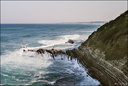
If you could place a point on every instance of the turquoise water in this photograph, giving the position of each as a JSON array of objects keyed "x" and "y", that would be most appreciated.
[{"x": 29, "y": 68}]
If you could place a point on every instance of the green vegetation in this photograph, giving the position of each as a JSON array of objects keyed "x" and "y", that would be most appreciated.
[{"x": 111, "y": 38}]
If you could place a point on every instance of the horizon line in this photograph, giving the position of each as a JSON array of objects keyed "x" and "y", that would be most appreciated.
[{"x": 60, "y": 22}]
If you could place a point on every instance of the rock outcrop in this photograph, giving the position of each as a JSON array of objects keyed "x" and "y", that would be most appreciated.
[
  {"x": 70, "y": 41},
  {"x": 110, "y": 42},
  {"x": 104, "y": 53}
]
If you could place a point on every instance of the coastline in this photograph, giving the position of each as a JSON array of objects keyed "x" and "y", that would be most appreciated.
[
  {"x": 99, "y": 68},
  {"x": 92, "y": 53},
  {"x": 104, "y": 53}
]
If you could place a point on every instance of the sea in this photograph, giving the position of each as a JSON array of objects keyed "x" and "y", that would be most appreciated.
[{"x": 30, "y": 68}]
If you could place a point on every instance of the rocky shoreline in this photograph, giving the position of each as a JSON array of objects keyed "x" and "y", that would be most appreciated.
[{"x": 98, "y": 68}]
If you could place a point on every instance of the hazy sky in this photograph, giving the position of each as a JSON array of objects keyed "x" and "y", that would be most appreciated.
[{"x": 60, "y": 11}]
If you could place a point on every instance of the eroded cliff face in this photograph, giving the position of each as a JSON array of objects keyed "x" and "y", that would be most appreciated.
[
  {"x": 98, "y": 68},
  {"x": 121, "y": 64},
  {"x": 109, "y": 43}
]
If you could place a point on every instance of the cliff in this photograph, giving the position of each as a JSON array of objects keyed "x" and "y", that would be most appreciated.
[
  {"x": 110, "y": 41},
  {"x": 104, "y": 53}
]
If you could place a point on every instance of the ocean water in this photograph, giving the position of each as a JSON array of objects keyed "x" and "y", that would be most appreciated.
[{"x": 30, "y": 68}]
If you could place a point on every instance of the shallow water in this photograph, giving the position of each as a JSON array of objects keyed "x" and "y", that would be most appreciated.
[{"x": 30, "y": 68}]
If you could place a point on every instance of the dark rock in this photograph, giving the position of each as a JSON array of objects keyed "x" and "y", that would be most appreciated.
[
  {"x": 40, "y": 51},
  {"x": 70, "y": 41}
]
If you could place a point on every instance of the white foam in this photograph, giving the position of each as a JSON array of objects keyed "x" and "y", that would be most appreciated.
[
  {"x": 23, "y": 64},
  {"x": 83, "y": 38},
  {"x": 25, "y": 60},
  {"x": 88, "y": 80},
  {"x": 62, "y": 39},
  {"x": 75, "y": 36}
]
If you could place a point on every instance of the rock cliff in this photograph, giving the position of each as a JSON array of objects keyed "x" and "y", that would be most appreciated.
[
  {"x": 109, "y": 42},
  {"x": 104, "y": 53}
]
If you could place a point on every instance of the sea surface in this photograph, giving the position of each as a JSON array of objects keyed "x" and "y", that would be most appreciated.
[{"x": 30, "y": 68}]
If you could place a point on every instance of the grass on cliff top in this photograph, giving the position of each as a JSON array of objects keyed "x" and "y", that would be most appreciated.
[{"x": 112, "y": 38}]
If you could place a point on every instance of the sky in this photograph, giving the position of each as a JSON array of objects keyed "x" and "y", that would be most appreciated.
[{"x": 60, "y": 11}]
